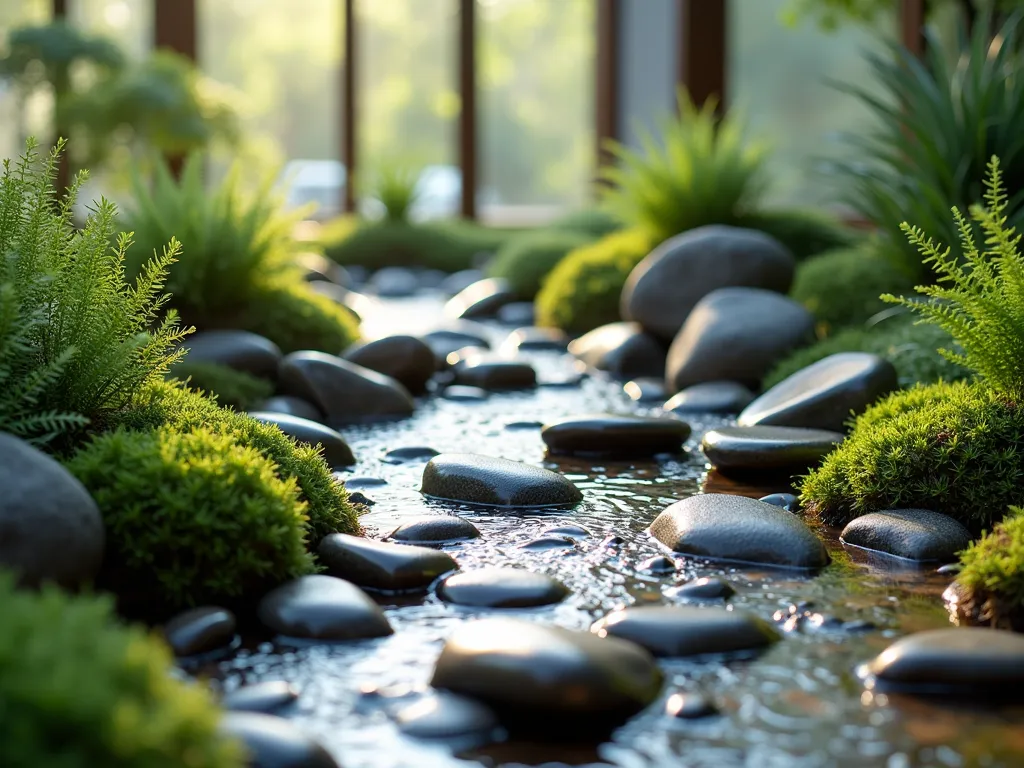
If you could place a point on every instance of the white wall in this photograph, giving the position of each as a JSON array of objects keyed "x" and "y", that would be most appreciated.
[{"x": 647, "y": 63}]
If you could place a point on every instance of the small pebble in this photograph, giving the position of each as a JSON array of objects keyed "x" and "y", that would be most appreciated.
[
  {"x": 787, "y": 501},
  {"x": 516, "y": 425},
  {"x": 409, "y": 454},
  {"x": 613, "y": 541},
  {"x": 364, "y": 482},
  {"x": 266, "y": 697},
  {"x": 951, "y": 569},
  {"x": 570, "y": 531},
  {"x": 689, "y": 706},
  {"x": 711, "y": 588},
  {"x": 547, "y": 543},
  {"x": 859, "y": 625},
  {"x": 462, "y": 393},
  {"x": 361, "y": 498},
  {"x": 658, "y": 565}
]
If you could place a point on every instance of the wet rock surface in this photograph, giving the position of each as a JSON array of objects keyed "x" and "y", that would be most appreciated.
[
  {"x": 711, "y": 397},
  {"x": 498, "y": 482},
  {"x": 406, "y": 359},
  {"x": 241, "y": 350},
  {"x": 322, "y": 608},
  {"x": 481, "y": 299},
  {"x": 495, "y": 375},
  {"x": 443, "y": 715},
  {"x": 379, "y": 565},
  {"x": 409, "y": 454},
  {"x": 200, "y": 630},
  {"x": 464, "y": 393},
  {"x": 624, "y": 350},
  {"x": 702, "y": 590},
  {"x": 435, "y": 530},
  {"x": 501, "y": 588},
  {"x": 267, "y": 697},
  {"x": 768, "y": 449},
  {"x": 912, "y": 534},
  {"x": 533, "y": 339},
  {"x": 273, "y": 742},
  {"x": 645, "y": 390},
  {"x": 614, "y": 436},
  {"x": 290, "y": 406},
  {"x": 333, "y": 446}
]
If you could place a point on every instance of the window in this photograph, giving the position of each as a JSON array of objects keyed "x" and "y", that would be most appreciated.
[{"x": 21, "y": 117}]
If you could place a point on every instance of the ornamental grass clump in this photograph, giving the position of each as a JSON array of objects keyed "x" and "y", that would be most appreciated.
[{"x": 990, "y": 585}]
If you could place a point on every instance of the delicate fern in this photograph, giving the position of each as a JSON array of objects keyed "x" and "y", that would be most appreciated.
[{"x": 979, "y": 298}]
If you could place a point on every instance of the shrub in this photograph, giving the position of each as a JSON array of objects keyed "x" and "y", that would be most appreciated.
[
  {"x": 396, "y": 189},
  {"x": 79, "y": 690},
  {"x": 594, "y": 222},
  {"x": 525, "y": 261},
  {"x": 76, "y": 340},
  {"x": 582, "y": 291},
  {"x": 297, "y": 318},
  {"x": 805, "y": 233},
  {"x": 192, "y": 517},
  {"x": 236, "y": 389},
  {"x": 991, "y": 583},
  {"x": 329, "y": 510}
]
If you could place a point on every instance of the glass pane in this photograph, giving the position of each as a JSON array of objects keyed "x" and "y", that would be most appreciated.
[
  {"x": 536, "y": 83},
  {"x": 284, "y": 60},
  {"x": 778, "y": 78},
  {"x": 129, "y": 22},
  {"x": 21, "y": 114},
  {"x": 408, "y": 101}
]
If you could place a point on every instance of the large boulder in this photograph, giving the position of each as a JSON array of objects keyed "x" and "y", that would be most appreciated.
[
  {"x": 663, "y": 289},
  {"x": 736, "y": 334}
]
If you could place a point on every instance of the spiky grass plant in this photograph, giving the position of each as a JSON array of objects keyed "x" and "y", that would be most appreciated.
[
  {"x": 396, "y": 188},
  {"x": 77, "y": 341}
]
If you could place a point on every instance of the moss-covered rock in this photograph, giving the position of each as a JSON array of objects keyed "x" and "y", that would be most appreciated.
[
  {"x": 990, "y": 588},
  {"x": 950, "y": 447},
  {"x": 525, "y": 261},
  {"x": 297, "y": 318},
  {"x": 78, "y": 690},
  {"x": 233, "y": 388}
]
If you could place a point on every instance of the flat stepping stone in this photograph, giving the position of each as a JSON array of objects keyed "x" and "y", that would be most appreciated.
[
  {"x": 548, "y": 680},
  {"x": 723, "y": 527},
  {"x": 495, "y": 375},
  {"x": 335, "y": 450},
  {"x": 533, "y": 339},
  {"x": 708, "y": 588},
  {"x": 200, "y": 630},
  {"x": 273, "y": 742},
  {"x": 502, "y": 588},
  {"x": 912, "y": 534},
  {"x": 443, "y": 715},
  {"x": 614, "y": 436},
  {"x": 711, "y": 397},
  {"x": 268, "y": 696},
  {"x": 768, "y": 449},
  {"x": 677, "y": 631},
  {"x": 409, "y": 454},
  {"x": 826, "y": 394},
  {"x": 290, "y": 406},
  {"x": 379, "y": 565},
  {"x": 495, "y": 482},
  {"x": 967, "y": 661},
  {"x": 321, "y": 607},
  {"x": 435, "y": 529}
]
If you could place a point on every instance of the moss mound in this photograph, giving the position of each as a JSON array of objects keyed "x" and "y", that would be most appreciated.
[
  {"x": 297, "y": 318},
  {"x": 526, "y": 260},
  {"x": 991, "y": 584},
  {"x": 582, "y": 292},
  {"x": 949, "y": 447},
  {"x": 78, "y": 690},
  {"x": 236, "y": 389},
  {"x": 192, "y": 517}
]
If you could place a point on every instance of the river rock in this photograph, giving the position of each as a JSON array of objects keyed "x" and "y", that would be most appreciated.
[
  {"x": 406, "y": 359},
  {"x": 409, "y": 454},
  {"x": 499, "y": 482},
  {"x": 464, "y": 394},
  {"x": 664, "y": 287},
  {"x": 241, "y": 350},
  {"x": 534, "y": 339},
  {"x": 379, "y": 565},
  {"x": 624, "y": 350},
  {"x": 711, "y": 397},
  {"x": 614, "y": 436},
  {"x": 443, "y": 715},
  {"x": 689, "y": 706},
  {"x": 502, "y": 588},
  {"x": 273, "y": 742},
  {"x": 517, "y": 313},
  {"x": 50, "y": 528},
  {"x": 786, "y": 501},
  {"x": 549, "y": 544},
  {"x": 333, "y": 446},
  {"x": 970, "y": 660},
  {"x": 722, "y": 527},
  {"x": 268, "y": 696},
  {"x": 443, "y": 341},
  {"x": 659, "y": 565},
  {"x": 547, "y": 680},
  {"x": 459, "y": 281},
  {"x": 200, "y": 630},
  {"x": 481, "y": 299},
  {"x": 346, "y": 393},
  {"x": 768, "y": 449},
  {"x": 495, "y": 375},
  {"x": 700, "y": 590},
  {"x": 736, "y": 334},
  {"x": 393, "y": 282},
  {"x": 676, "y": 631},
  {"x": 321, "y": 607},
  {"x": 645, "y": 390},
  {"x": 435, "y": 529},
  {"x": 826, "y": 394},
  {"x": 290, "y": 406},
  {"x": 913, "y": 534}
]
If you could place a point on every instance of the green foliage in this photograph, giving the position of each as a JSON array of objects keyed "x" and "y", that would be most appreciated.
[
  {"x": 939, "y": 123},
  {"x": 992, "y": 578},
  {"x": 594, "y": 222},
  {"x": 700, "y": 171},
  {"x": 979, "y": 300},
  {"x": 76, "y": 340},
  {"x": 296, "y": 318},
  {"x": 78, "y": 690},
  {"x": 805, "y": 233},
  {"x": 234, "y": 389},
  {"x": 192, "y": 517},
  {"x": 396, "y": 189},
  {"x": 950, "y": 447},
  {"x": 168, "y": 403},
  {"x": 526, "y": 260},
  {"x": 582, "y": 291}
]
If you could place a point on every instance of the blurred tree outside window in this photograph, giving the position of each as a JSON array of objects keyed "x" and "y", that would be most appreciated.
[{"x": 21, "y": 114}]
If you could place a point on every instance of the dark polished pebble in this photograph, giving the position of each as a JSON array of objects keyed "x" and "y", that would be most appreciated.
[
  {"x": 292, "y": 406},
  {"x": 502, "y": 588},
  {"x": 783, "y": 450},
  {"x": 363, "y": 482},
  {"x": 462, "y": 393},
  {"x": 497, "y": 482},
  {"x": 689, "y": 706},
  {"x": 570, "y": 531},
  {"x": 494, "y": 375},
  {"x": 321, "y": 607},
  {"x": 333, "y": 447},
  {"x": 409, "y": 454},
  {"x": 911, "y": 534},
  {"x": 517, "y": 425},
  {"x": 708, "y": 588},
  {"x": 443, "y": 715},
  {"x": 614, "y": 436},
  {"x": 361, "y": 498},
  {"x": 613, "y": 541},
  {"x": 533, "y": 339},
  {"x": 658, "y": 565},
  {"x": 272, "y": 742},
  {"x": 200, "y": 630},
  {"x": 435, "y": 529},
  {"x": 860, "y": 625},
  {"x": 268, "y": 696},
  {"x": 379, "y": 565},
  {"x": 787, "y": 501},
  {"x": 547, "y": 543},
  {"x": 645, "y": 390}
]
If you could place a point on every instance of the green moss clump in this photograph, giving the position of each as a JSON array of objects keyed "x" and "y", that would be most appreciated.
[
  {"x": 192, "y": 517},
  {"x": 949, "y": 447},
  {"x": 582, "y": 292},
  {"x": 78, "y": 690},
  {"x": 236, "y": 389},
  {"x": 526, "y": 261},
  {"x": 804, "y": 232},
  {"x": 991, "y": 583},
  {"x": 329, "y": 510},
  {"x": 297, "y": 318}
]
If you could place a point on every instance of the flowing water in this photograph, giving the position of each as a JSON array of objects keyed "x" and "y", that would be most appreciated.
[{"x": 798, "y": 705}]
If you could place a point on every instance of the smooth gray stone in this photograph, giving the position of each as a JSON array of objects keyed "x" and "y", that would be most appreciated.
[
  {"x": 778, "y": 449},
  {"x": 459, "y": 281},
  {"x": 379, "y": 565},
  {"x": 321, "y": 607},
  {"x": 481, "y": 299},
  {"x": 736, "y": 334},
  {"x": 663, "y": 289},
  {"x": 240, "y": 350},
  {"x": 50, "y": 527},
  {"x": 711, "y": 397},
  {"x": 460, "y": 393},
  {"x": 722, "y": 527},
  {"x": 502, "y": 588},
  {"x": 393, "y": 282},
  {"x": 290, "y": 406},
  {"x": 200, "y": 630},
  {"x": 533, "y": 339},
  {"x": 497, "y": 482},
  {"x": 825, "y": 395},
  {"x": 610, "y": 435},
  {"x": 786, "y": 501},
  {"x": 334, "y": 449},
  {"x": 645, "y": 390},
  {"x": 443, "y": 715},
  {"x": 701, "y": 590},
  {"x": 409, "y": 454},
  {"x": 549, "y": 543},
  {"x": 689, "y": 706},
  {"x": 970, "y": 660},
  {"x": 569, "y": 531},
  {"x": 913, "y": 534},
  {"x": 517, "y": 313},
  {"x": 360, "y": 482},
  {"x": 265, "y": 697},
  {"x": 406, "y": 359},
  {"x": 435, "y": 529},
  {"x": 624, "y": 350},
  {"x": 273, "y": 742},
  {"x": 658, "y": 565},
  {"x": 344, "y": 392},
  {"x": 676, "y": 631},
  {"x": 495, "y": 375}
]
